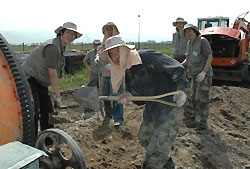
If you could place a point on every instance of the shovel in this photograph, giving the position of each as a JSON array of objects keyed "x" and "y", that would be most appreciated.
[{"x": 88, "y": 98}]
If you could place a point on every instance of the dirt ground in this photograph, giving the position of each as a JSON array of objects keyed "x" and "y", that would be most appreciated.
[{"x": 224, "y": 145}]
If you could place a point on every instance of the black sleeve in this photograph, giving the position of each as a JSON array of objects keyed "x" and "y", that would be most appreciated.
[{"x": 160, "y": 62}]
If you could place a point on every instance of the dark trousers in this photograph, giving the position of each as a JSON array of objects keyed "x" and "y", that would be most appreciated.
[{"x": 43, "y": 105}]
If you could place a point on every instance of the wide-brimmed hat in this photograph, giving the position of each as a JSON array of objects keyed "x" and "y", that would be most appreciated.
[
  {"x": 179, "y": 19},
  {"x": 196, "y": 30},
  {"x": 112, "y": 42},
  {"x": 110, "y": 24},
  {"x": 69, "y": 26}
]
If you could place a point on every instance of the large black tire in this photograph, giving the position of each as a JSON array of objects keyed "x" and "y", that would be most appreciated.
[{"x": 24, "y": 93}]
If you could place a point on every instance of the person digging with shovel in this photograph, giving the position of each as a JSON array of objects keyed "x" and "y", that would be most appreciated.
[{"x": 149, "y": 73}]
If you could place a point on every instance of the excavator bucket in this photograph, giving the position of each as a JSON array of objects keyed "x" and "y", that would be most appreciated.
[{"x": 16, "y": 110}]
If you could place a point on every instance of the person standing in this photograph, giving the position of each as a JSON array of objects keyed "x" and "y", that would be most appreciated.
[
  {"x": 94, "y": 69},
  {"x": 109, "y": 30},
  {"x": 179, "y": 42},
  {"x": 199, "y": 71},
  {"x": 42, "y": 68},
  {"x": 149, "y": 73}
]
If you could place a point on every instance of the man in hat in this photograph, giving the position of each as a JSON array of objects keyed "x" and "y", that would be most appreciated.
[
  {"x": 199, "y": 70},
  {"x": 42, "y": 68},
  {"x": 179, "y": 42},
  {"x": 149, "y": 73},
  {"x": 94, "y": 69}
]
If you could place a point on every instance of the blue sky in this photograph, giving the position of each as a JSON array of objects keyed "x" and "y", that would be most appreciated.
[{"x": 32, "y": 21}]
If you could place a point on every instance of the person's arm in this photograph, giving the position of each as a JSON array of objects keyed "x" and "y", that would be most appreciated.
[
  {"x": 184, "y": 63},
  {"x": 85, "y": 62},
  {"x": 206, "y": 48},
  {"x": 208, "y": 63},
  {"x": 54, "y": 81},
  {"x": 51, "y": 55}
]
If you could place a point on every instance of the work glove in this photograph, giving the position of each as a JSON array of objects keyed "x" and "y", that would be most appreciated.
[
  {"x": 123, "y": 98},
  {"x": 58, "y": 102},
  {"x": 181, "y": 98},
  {"x": 200, "y": 76},
  {"x": 97, "y": 60}
]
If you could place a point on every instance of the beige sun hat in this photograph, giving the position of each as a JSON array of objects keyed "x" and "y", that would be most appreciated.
[
  {"x": 112, "y": 42},
  {"x": 179, "y": 19},
  {"x": 97, "y": 42},
  {"x": 109, "y": 24},
  {"x": 196, "y": 30},
  {"x": 69, "y": 26}
]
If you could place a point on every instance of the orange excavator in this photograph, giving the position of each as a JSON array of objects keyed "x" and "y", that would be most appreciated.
[
  {"x": 230, "y": 46},
  {"x": 17, "y": 130}
]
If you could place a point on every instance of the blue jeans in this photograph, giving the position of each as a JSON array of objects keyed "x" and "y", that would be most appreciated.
[{"x": 116, "y": 109}]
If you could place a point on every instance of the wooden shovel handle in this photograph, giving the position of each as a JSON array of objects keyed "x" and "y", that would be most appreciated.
[{"x": 145, "y": 98}]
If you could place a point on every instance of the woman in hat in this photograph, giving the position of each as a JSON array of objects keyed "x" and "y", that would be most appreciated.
[
  {"x": 179, "y": 42},
  {"x": 149, "y": 73},
  {"x": 199, "y": 71},
  {"x": 42, "y": 68},
  {"x": 109, "y": 30}
]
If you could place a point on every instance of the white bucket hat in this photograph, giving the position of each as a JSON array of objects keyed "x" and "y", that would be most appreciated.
[
  {"x": 196, "y": 30},
  {"x": 112, "y": 42},
  {"x": 179, "y": 20},
  {"x": 69, "y": 26}
]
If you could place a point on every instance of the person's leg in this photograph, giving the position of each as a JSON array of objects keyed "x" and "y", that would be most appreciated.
[
  {"x": 118, "y": 112},
  {"x": 202, "y": 102},
  {"x": 105, "y": 91},
  {"x": 159, "y": 147},
  {"x": 189, "y": 109},
  {"x": 46, "y": 108}
]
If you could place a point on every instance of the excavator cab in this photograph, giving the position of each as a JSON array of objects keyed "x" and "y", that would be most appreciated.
[
  {"x": 213, "y": 22},
  {"x": 229, "y": 46}
]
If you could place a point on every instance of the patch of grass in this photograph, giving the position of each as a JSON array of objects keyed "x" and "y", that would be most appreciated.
[{"x": 74, "y": 81}]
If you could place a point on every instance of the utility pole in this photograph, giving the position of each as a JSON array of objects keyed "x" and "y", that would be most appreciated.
[{"x": 139, "y": 32}]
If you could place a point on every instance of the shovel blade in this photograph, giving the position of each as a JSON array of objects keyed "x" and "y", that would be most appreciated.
[{"x": 88, "y": 97}]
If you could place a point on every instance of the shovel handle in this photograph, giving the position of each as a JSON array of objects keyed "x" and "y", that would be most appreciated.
[{"x": 145, "y": 98}]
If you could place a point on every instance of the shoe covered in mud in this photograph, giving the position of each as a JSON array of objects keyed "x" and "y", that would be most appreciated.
[
  {"x": 201, "y": 126},
  {"x": 170, "y": 164},
  {"x": 106, "y": 120}
]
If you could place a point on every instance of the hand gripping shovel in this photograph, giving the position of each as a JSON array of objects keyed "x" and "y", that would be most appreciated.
[{"x": 88, "y": 98}]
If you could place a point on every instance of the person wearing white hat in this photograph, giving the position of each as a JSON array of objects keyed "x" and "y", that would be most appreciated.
[
  {"x": 149, "y": 73},
  {"x": 179, "y": 42},
  {"x": 42, "y": 69},
  {"x": 199, "y": 71}
]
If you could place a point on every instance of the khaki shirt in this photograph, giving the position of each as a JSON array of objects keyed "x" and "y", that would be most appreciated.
[
  {"x": 179, "y": 43},
  {"x": 197, "y": 54}
]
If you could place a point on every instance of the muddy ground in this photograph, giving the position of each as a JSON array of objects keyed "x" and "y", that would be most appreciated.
[{"x": 224, "y": 145}]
